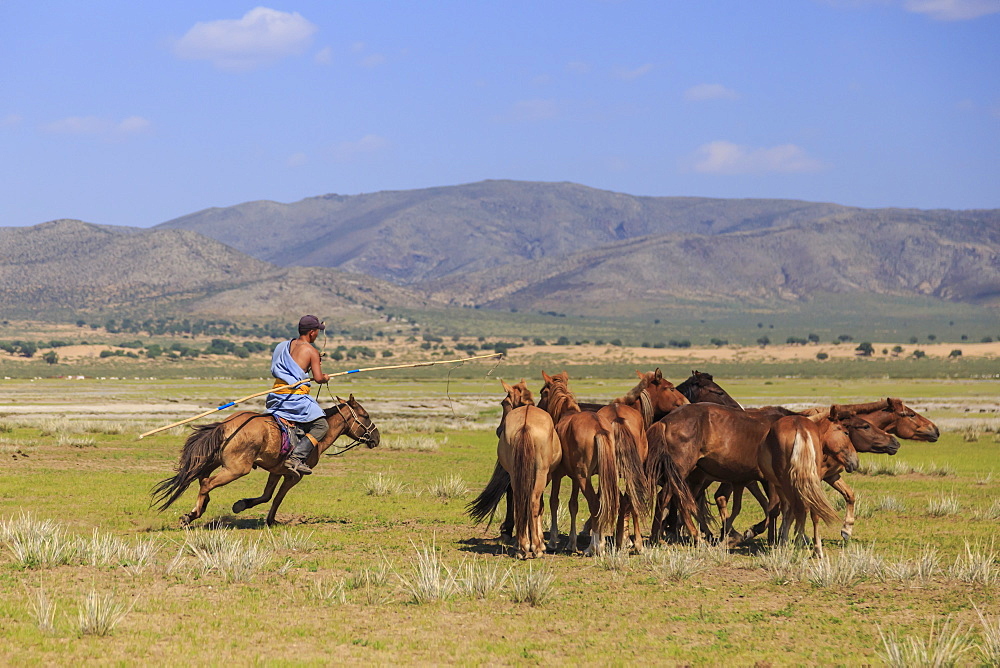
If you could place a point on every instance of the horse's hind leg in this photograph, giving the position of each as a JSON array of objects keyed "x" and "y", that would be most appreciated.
[
  {"x": 221, "y": 478},
  {"x": 243, "y": 504},
  {"x": 286, "y": 484},
  {"x": 554, "y": 508},
  {"x": 507, "y": 528}
]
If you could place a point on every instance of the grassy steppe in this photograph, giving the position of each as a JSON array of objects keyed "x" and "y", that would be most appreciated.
[{"x": 71, "y": 455}]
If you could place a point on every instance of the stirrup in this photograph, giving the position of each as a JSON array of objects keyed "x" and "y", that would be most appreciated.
[{"x": 297, "y": 466}]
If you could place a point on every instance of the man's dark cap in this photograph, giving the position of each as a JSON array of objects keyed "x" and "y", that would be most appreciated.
[{"x": 307, "y": 323}]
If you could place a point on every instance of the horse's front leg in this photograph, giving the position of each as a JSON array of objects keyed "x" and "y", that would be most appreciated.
[
  {"x": 574, "y": 506},
  {"x": 243, "y": 504},
  {"x": 838, "y": 484},
  {"x": 286, "y": 484}
]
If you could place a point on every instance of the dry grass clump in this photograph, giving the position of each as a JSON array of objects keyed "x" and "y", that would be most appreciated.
[
  {"x": 452, "y": 487},
  {"x": 944, "y": 646},
  {"x": 222, "y": 551},
  {"x": 290, "y": 540},
  {"x": 37, "y": 543},
  {"x": 989, "y": 648},
  {"x": 977, "y": 567},
  {"x": 533, "y": 587},
  {"x": 43, "y": 610},
  {"x": 614, "y": 559},
  {"x": 783, "y": 563},
  {"x": 851, "y": 566},
  {"x": 915, "y": 572},
  {"x": 105, "y": 550},
  {"x": 482, "y": 579},
  {"x": 413, "y": 442},
  {"x": 382, "y": 485},
  {"x": 943, "y": 506},
  {"x": 429, "y": 578},
  {"x": 71, "y": 441},
  {"x": 98, "y": 615},
  {"x": 676, "y": 564}
]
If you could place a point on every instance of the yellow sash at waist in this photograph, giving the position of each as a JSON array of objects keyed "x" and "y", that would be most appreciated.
[{"x": 301, "y": 389}]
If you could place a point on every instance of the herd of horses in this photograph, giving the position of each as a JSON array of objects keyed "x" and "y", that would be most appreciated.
[
  {"x": 656, "y": 450},
  {"x": 654, "y": 453}
]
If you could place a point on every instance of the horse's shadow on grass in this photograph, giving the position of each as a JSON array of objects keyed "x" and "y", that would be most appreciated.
[{"x": 233, "y": 522}]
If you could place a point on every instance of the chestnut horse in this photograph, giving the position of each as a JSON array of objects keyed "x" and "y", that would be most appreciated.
[
  {"x": 890, "y": 415},
  {"x": 529, "y": 450},
  {"x": 791, "y": 459},
  {"x": 245, "y": 441},
  {"x": 588, "y": 448}
]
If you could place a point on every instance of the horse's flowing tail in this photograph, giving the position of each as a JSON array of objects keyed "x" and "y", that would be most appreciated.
[
  {"x": 662, "y": 470},
  {"x": 522, "y": 479},
  {"x": 484, "y": 506},
  {"x": 805, "y": 482},
  {"x": 607, "y": 476},
  {"x": 198, "y": 457},
  {"x": 631, "y": 468}
]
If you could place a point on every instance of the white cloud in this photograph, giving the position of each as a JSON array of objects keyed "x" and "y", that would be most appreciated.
[
  {"x": 373, "y": 60},
  {"x": 953, "y": 10},
  {"x": 10, "y": 120},
  {"x": 324, "y": 56},
  {"x": 261, "y": 37},
  {"x": 353, "y": 150},
  {"x": 97, "y": 126},
  {"x": 722, "y": 157},
  {"x": 631, "y": 75},
  {"x": 296, "y": 160},
  {"x": 704, "y": 92}
]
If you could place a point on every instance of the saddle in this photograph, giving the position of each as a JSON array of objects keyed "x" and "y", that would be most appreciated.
[{"x": 289, "y": 434}]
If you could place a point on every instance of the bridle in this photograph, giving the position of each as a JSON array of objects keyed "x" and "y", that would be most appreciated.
[{"x": 368, "y": 429}]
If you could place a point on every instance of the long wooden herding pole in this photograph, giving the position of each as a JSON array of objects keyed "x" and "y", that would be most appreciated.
[{"x": 306, "y": 380}]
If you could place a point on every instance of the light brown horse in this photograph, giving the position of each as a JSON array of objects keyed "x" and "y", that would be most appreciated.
[
  {"x": 791, "y": 458},
  {"x": 654, "y": 396},
  {"x": 797, "y": 453},
  {"x": 245, "y": 441},
  {"x": 588, "y": 449},
  {"x": 530, "y": 451},
  {"x": 484, "y": 506},
  {"x": 631, "y": 448}
]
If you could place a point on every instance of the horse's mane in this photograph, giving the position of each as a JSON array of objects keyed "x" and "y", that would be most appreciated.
[
  {"x": 870, "y": 407},
  {"x": 561, "y": 400}
]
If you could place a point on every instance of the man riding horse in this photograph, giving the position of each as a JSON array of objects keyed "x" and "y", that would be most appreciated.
[{"x": 291, "y": 362}]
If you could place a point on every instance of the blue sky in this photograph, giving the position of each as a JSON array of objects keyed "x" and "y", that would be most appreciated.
[{"x": 133, "y": 113}]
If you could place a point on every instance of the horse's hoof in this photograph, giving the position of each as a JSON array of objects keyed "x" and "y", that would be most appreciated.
[
  {"x": 240, "y": 506},
  {"x": 185, "y": 521},
  {"x": 846, "y": 536}
]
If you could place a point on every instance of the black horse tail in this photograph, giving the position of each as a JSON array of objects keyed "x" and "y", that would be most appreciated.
[
  {"x": 199, "y": 456},
  {"x": 484, "y": 506}
]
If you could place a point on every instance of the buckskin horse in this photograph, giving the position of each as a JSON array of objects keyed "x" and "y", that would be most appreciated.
[
  {"x": 484, "y": 506},
  {"x": 245, "y": 441}
]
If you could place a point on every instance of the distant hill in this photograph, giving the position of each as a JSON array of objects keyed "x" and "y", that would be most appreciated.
[
  {"x": 67, "y": 266},
  {"x": 499, "y": 244},
  {"x": 535, "y": 245}
]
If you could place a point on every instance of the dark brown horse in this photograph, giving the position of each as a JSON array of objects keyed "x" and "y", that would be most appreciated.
[
  {"x": 245, "y": 441},
  {"x": 721, "y": 443},
  {"x": 702, "y": 388}
]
